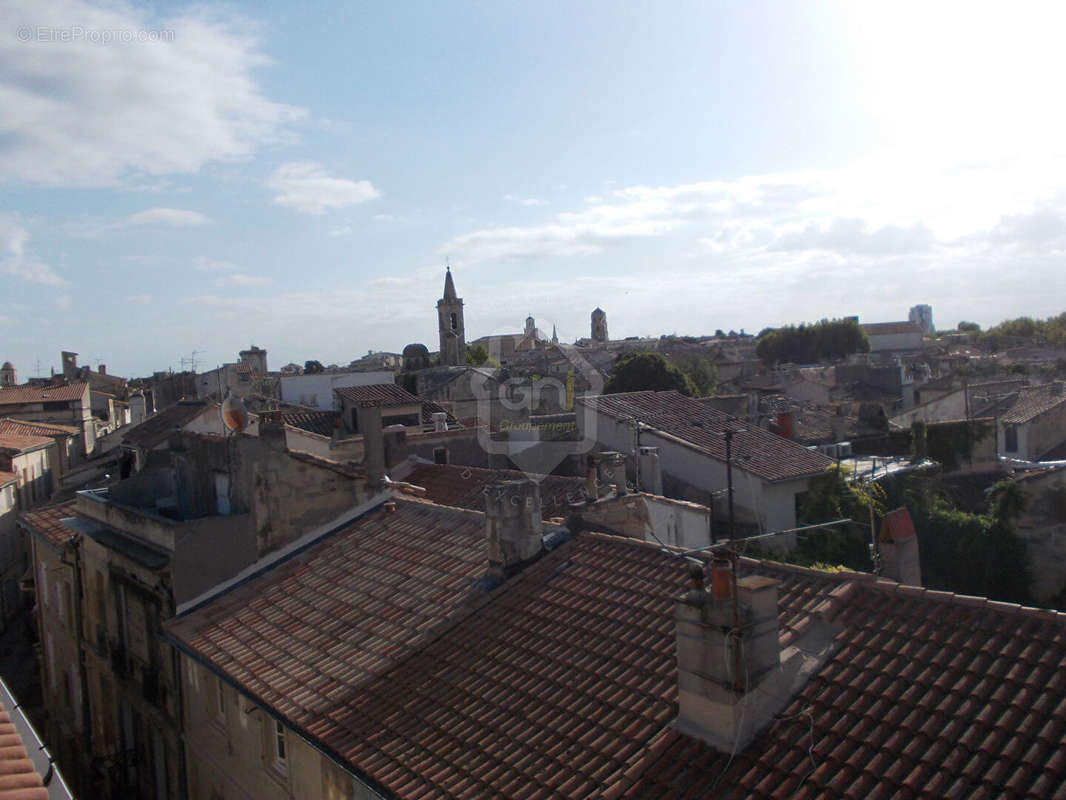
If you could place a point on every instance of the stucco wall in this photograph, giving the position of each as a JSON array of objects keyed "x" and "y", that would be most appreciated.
[{"x": 691, "y": 475}]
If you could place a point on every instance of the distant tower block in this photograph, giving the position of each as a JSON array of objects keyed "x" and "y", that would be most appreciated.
[
  {"x": 7, "y": 375},
  {"x": 450, "y": 323},
  {"x": 923, "y": 316},
  {"x": 599, "y": 325}
]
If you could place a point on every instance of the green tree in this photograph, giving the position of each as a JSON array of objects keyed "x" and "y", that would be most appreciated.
[
  {"x": 638, "y": 371},
  {"x": 968, "y": 327},
  {"x": 808, "y": 344},
  {"x": 477, "y": 354},
  {"x": 313, "y": 367},
  {"x": 702, "y": 373}
]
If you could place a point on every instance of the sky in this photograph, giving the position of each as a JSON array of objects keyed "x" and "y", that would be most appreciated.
[{"x": 202, "y": 177}]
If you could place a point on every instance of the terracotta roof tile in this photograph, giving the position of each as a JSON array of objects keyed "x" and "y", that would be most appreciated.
[
  {"x": 155, "y": 430},
  {"x": 1033, "y": 402},
  {"x": 7, "y": 477},
  {"x": 378, "y": 394},
  {"x": 20, "y": 395},
  {"x": 11, "y": 443},
  {"x": 701, "y": 427},
  {"x": 464, "y": 487},
  {"x": 48, "y": 522},
  {"x": 562, "y": 682},
  {"x": 21, "y": 427}
]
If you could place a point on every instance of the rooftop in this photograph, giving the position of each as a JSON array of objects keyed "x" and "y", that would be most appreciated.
[
  {"x": 701, "y": 427},
  {"x": 378, "y": 394},
  {"x": 48, "y": 523},
  {"x": 155, "y": 430},
  {"x": 887, "y": 328},
  {"x": 20, "y": 395},
  {"x": 10, "y": 443},
  {"x": 377, "y": 646},
  {"x": 21, "y": 427},
  {"x": 464, "y": 487},
  {"x": 1033, "y": 402}
]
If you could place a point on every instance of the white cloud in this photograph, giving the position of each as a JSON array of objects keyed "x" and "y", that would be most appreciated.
[
  {"x": 242, "y": 279},
  {"x": 306, "y": 187},
  {"x": 84, "y": 113},
  {"x": 204, "y": 264},
  {"x": 17, "y": 262},
  {"x": 178, "y": 217},
  {"x": 528, "y": 202}
]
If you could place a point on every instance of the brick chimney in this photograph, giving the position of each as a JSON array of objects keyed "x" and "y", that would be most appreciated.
[
  {"x": 513, "y": 524},
  {"x": 728, "y": 658},
  {"x": 899, "y": 548}
]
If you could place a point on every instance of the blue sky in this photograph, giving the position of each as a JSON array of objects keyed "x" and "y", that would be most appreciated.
[{"x": 296, "y": 178}]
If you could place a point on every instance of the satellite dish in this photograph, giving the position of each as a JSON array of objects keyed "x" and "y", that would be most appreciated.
[{"x": 234, "y": 414}]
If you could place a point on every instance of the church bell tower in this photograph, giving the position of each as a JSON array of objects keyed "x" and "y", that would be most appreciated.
[{"x": 450, "y": 323}]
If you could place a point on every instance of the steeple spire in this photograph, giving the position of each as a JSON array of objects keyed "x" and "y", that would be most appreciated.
[
  {"x": 555, "y": 336},
  {"x": 449, "y": 287}
]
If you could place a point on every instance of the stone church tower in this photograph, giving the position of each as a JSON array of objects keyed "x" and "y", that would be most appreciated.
[
  {"x": 7, "y": 375},
  {"x": 599, "y": 325},
  {"x": 450, "y": 322}
]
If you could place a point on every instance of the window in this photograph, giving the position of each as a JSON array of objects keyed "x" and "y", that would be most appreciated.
[
  {"x": 455, "y": 321},
  {"x": 1010, "y": 439},
  {"x": 440, "y": 455},
  {"x": 279, "y": 746}
]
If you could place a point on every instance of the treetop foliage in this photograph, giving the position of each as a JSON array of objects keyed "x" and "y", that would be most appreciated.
[
  {"x": 808, "y": 344},
  {"x": 638, "y": 371}
]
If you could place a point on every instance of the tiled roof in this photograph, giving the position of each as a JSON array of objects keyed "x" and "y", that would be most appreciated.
[
  {"x": 353, "y": 605},
  {"x": 562, "y": 683},
  {"x": 378, "y": 394},
  {"x": 928, "y": 695},
  {"x": 48, "y": 523},
  {"x": 887, "y": 328},
  {"x": 42, "y": 394},
  {"x": 19, "y": 779},
  {"x": 157, "y": 428},
  {"x": 21, "y": 427},
  {"x": 1033, "y": 402},
  {"x": 320, "y": 422},
  {"x": 755, "y": 450},
  {"x": 464, "y": 487},
  {"x": 16, "y": 444},
  {"x": 548, "y": 687}
]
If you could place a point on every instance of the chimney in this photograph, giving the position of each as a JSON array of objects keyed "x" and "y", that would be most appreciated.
[
  {"x": 395, "y": 445},
  {"x": 102, "y": 369},
  {"x": 440, "y": 421},
  {"x": 651, "y": 472},
  {"x": 899, "y": 548},
  {"x": 513, "y": 524},
  {"x": 373, "y": 444},
  {"x": 611, "y": 469},
  {"x": 728, "y": 658},
  {"x": 272, "y": 431}
]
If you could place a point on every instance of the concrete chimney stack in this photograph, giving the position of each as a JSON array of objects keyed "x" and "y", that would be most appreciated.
[
  {"x": 728, "y": 658},
  {"x": 513, "y": 524},
  {"x": 369, "y": 419},
  {"x": 611, "y": 469},
  {"x": 651, "y": 472},
  {"x": 900, "y": 558},
  {"x": 395, "y": 445}
]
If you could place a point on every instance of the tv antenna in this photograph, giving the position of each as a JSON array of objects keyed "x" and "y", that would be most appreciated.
[{"x": 192, "y": 361}]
